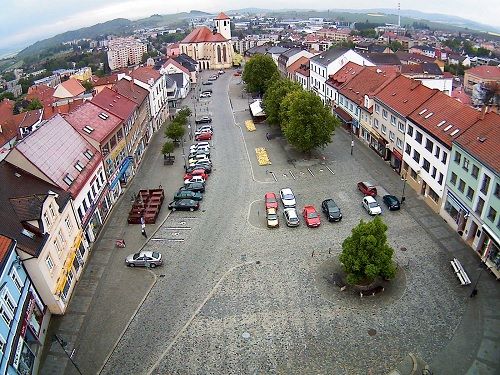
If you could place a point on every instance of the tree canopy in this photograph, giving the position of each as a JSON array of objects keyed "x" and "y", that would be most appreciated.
[
  {"x": 259, "y": 73},
  {"x": 175, "y": 130},
  {"x": 274, "y": 96},
  {"x": 307, "y": 123},
  {"x": 366, "y": 254},
  {"x": 168, "y": 148}
]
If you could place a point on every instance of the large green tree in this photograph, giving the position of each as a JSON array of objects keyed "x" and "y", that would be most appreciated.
[
  {"x": 175, "y": 131},
  {"x": 307, "y": 123},
  {"x": 274, "y": 96},
  {"x": 259, "y": 73},
  {"x": 366, "y": 254}
]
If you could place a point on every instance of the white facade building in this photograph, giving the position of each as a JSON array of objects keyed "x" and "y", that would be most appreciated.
[{"x": 123, "y": 52}]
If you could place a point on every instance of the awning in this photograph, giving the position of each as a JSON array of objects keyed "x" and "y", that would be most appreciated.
[
  {"x": 457, "y": 202},
  {"x": 61, "y": 281},
  {"x": 397, "y": 154},
  {"x": 256, "y": 109},
  {"x": 343, "y": 115},
  {"x": 123, "y": 167}
]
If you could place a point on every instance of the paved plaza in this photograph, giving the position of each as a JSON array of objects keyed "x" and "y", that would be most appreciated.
[{"x": 234, "y": 297}]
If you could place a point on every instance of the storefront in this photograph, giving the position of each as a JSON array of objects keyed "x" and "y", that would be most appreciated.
[
  {"x": 95, "y": 216},
  {"x": 457, "y": 211},
  {"x": 28, "y": 338},
  {"x": 396, "y": 160},
  {"x": 344, "y": 117},
  {"x": 120, "y": 177},
  {"x": 378, "y": 144},
  {"x": 491, "y": 255}
]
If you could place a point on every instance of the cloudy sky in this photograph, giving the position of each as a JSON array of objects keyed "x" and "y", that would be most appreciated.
[{"x": 25, "y": 21}]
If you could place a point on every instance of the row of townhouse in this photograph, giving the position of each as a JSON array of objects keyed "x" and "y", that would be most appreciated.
[
  {"x": 445, "y": 150},
  {"x": 59, "y": 184}
]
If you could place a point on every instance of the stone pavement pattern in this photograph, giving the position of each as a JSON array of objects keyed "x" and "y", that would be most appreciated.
[{"x": 239, "y": 298}]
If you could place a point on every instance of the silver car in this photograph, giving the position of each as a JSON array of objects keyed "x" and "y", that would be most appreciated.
[
  {"x": 287, "y": 198},
  {"x": 291, "y": 217},
  {"x": 144, "y": 259}
]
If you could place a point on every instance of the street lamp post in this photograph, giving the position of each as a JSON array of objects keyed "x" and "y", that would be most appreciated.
[
  {"x": 183, "y": 154},
  {"x": 63, "y": 346},
  {"x": 404, "y": 185},
  {"x": 474, "y": 290}
]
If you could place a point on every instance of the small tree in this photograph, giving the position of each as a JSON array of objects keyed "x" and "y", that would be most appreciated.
[
  {"x": 88, "y": 86},
  {"x": 184, "y": 112},
  {"x": 168, "y": 148},
  {"x": 259, "y": 72},
  {"x": 308, "y": 123},
  {"x": 34, "y": 104},
  {"x": 175, "y": 131},
  {"x": 366, "y": 254},
  {"x": 274, "y": 96}
]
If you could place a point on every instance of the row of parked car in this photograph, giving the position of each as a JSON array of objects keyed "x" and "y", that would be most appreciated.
[
  {"x": 198, "y": 169},
  {"x": 328, "y": 207}
]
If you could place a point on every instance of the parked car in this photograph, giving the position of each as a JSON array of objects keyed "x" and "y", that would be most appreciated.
[
  {"x": 311, "y": 217},
  {"x": 199, "y": 162},
  {"x": 213, "y": 77},
  {"x": 194, "y": 179},
  {"x": 371, "y": 206},
  {"x": 203, "y": 137},
  {"x": 391, "y": 202},
  {"x": 207, "y": 83},
  {"x": 207, "y": 90},
  {"x": 197, "y": 172},
  {"x": 272, "y": 218},
  {"x": 367, "y": 188},
  {"x": 198, "y": 145},
  {"x": 199, "y": 152},
  {"x": 331, "y": 210},
  {"x": 196, "y": 158},
  {"x": 184, "y": 204},
  {"x": 203, "y": 120},
  {"x": 287, "y": 198},
  {"x": 194, "y": 186},
  {"x": 237, "y": 74},
  {"x": 188, "y": 194},
  {"x": 270, "y": 200},
  {"x": 205, "y": 95},
  {"x": 143, "y": 259},
  {"x": 204, "y": 128},
  {"x": 291, "y": 217},
  {"x": 221, "y": 72},
  {"x": 201, "y": 165}
]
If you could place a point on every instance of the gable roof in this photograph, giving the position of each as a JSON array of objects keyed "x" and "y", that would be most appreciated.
[
  {"x": 404, "y": 95},
  {"x": 132, "y": 91},
  {"x": 444, "y": 117},
  {"x": 422, "y": 68},
  {"x": 106, "y": 80},
  {"x": 296, "y": 65},
  {"x": 344, "y": 74},
  {"x": 114, "y": 103},
  {"x": 70, "y": 88},
  {"x": 50, "y": 111},
  {"x": 6, "y": 244},
  {"x": 186, "y": 62},
  {"x": 481, "y": 141},
  {"x": 379, "y": 58},
  {"x": 43, "y": 93},
  {"x": 28, "y": 118},
  {"x": 178, "y": 65},
  {"x": 145, "y": 73},
  {"x": 222, "y": 16},
  {"x": 366, "y": 82},
  {"x": 55, "y": 148},
  {"x": 485, "y": 72},
  {"x": 203, "y": 34},
  {"x": 275, "y": 50},
  {"x": 20, "y": 195},
  {"x": 90, "y": 114},
  {"x": 328, "y": 56}
]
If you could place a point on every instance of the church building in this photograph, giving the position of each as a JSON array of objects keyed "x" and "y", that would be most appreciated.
[{"x": 212, "y": 49}]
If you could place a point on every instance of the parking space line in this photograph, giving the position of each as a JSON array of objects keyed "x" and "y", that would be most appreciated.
[
  {"x": 291, "y": 174},
  {"x": 327, "y": 167},
  {"x": 274, "y": 176},
  {"x": 312, "y": 174}
]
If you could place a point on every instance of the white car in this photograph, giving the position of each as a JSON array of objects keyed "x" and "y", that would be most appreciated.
[
  {"x": 199, "y": 158},
  {"x": 371, "y": 205},
  {"x": 287, "y": 198},
  {"x": 199, "y": 145},
  {"x": 194, "y": 179},
  {"x": 291, "y": 217},
  {"x": 205, "y": 95},
  {"x": 204, "y": 128}
]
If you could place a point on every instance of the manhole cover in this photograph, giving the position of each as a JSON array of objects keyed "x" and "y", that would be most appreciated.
[
  {"x": 162, "y": 275},
  {"x": 403, "y": 249},
  {"x": 182, "y": 223},
  {"x": 245, "y": 335},
  {"x": 258, "y": 262},
  {"x": 175, "y": 234},
  {"x": 372, "y": 332}
]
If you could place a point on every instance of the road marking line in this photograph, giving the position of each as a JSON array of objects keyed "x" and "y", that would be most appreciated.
[
  {"x": 291, "y": 174},
  {"x": 177, "y": 228},
  {"x": 195, "y": 314},
  {"x": 312, "y": 174},
  {"x": 168, "y": 239},
  {"x": 272, "y": 174},
  {"x": 327, "y": 167}
]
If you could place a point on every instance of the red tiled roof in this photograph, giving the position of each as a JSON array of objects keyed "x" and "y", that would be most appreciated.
[
  {"x": 203, "y": 34},
  {"x": 171, "y": 61},
  {"x": 481, "y": 140},
  {"x": 8, "y": 126},
  {"x": 461, "y": 96},
  {"x": 366, "y": 82},
  {"x": 5, "y": 244},
  {"x": 404, "y": 95},
  {"x": 6, "y": 108},
  {"x": 297, "y": 64},
  {"x": 103, "y": 81},
  {"x": 145, "y": 73},
  {"x": 222, "y": 16},
  {"x": 29, "y": 118},
  {"x": 485, "y": 72},
  {"x": 132, "y": 91},
  {"x": 115, "y": 103},
  {"x": 55, "y": 148},
  {"x": 344, "y": 74},
  {"x": 43, "y": 93},
  {"x": 443, "y": 117},
  {"x": 50, "y": 111},
  {"x": 88, "y": 115},
  {"x": 73, "y": 86}
]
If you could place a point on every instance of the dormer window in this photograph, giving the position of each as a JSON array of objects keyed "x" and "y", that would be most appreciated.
[
  {"x": 88, "y": 154},
  {"x": 68, "y": 179},
  {"x": 88, "y": 129}
]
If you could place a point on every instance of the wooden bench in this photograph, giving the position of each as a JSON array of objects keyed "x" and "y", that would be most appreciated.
[
  {"x": 372, "y": 291},
  {"x": 460, "y": 272}
]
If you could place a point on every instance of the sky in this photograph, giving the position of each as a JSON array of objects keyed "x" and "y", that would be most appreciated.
[{"x": 23, "y": 22}]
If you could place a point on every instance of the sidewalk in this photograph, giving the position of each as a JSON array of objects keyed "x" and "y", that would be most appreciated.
[{"x": 108, "y": 294}]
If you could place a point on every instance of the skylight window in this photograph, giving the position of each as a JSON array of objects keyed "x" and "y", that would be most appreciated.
[
  {"x": 88, "y": 154},
  {"x": 422, "y": 111},
  {"x": 68, "y": 179},
  {"x": 441, "y": 123},
  {"x": 448, "y": 128},
  {"x": 455, "y": 132},
  {"x": 88, "y": 129},
  {"x": 429, "y": 114},
  {"x": 103, "y": 115},
  {"x": 79, "y": 166}
]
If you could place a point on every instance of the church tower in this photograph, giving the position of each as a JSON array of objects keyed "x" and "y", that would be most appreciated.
[{"x": 223, "y": 25}]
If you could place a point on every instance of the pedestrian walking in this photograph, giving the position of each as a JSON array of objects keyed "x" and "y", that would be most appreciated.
[
  {"x": 143, "y": 227},
  {"x": 267, "y": 137},
  {"x": 352, "y": 146}
]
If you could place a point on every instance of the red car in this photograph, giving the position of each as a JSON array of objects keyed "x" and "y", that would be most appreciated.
[
  {"x": 203, "y": 137},
  {"x": 311, "y": 217},
  {"x": 196, "y": 172},
  {"x": 271, "y": 201},
  {"x": 367, "y": 188}
]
